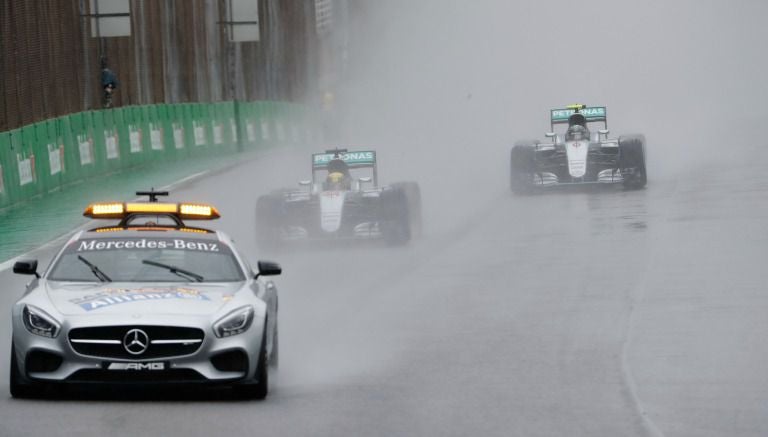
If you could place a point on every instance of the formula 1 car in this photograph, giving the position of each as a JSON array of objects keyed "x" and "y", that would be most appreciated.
[
  {"x": 146, "y": 301},
  {"x": 581, "y": 157},
  {"x": 343, "y": 200}
]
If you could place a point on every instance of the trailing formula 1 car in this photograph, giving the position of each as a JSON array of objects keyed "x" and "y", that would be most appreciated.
[
  {"x": 580, "y": 157},
  {"x": 343, "y": 200}
]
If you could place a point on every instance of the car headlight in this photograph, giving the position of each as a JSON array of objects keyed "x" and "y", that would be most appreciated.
[
  {"x": 39, "y": 322},
  {"x": 236, "y": 322}
]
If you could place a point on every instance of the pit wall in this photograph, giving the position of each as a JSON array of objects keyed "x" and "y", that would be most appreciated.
[{"x": 42, "y": 157}]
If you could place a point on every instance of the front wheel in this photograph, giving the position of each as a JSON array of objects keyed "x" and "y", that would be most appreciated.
[
  {"x": 396, "y": 224},
  {"x": 522, "y": 168},
  {"x": 260, "y": 388},
  {"x": 632, "y": 161},
  {"x": 413, "y": 199}
]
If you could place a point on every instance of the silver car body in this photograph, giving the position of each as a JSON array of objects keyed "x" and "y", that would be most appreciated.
[{"x": 168, "y": 325}]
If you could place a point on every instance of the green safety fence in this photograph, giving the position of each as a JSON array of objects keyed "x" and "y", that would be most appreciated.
[{"x": 43, "y": 157}]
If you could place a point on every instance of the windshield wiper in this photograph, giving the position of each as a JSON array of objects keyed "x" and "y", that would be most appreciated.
[
  {"x": 186, "y": 274},
  {"x": 95, "y": 270}
]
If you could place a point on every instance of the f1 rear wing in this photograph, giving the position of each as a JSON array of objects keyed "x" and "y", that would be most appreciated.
[
  {"x": 595, "y": 113},
  {"x": 360, "y": 159}
]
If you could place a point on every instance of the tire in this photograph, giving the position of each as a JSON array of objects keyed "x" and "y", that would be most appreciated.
[
  {"x": 267, "y": 222},
  {"x": 632, "y": 161},
  {"x": 274, "y": 357},
  {"x": 413, "y": 198},
  {"x": 19, "y": 386},
  {"x": 522, "y": 167},
  {"x": 260, "y": 388},
  {"x": 396, "y": 223}
]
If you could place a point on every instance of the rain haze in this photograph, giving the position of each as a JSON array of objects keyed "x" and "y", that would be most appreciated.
[{"x": 567, "y": 313}]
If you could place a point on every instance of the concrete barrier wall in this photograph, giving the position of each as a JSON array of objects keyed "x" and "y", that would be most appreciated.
[{"x": 42, "y": 157}]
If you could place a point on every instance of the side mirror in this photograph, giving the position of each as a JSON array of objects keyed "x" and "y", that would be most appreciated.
[
  {"x": 305, "y": 183},
  {"x": 268, "y": 268},
  {"x": 26, "y": 267},
  {"x": 549, "y": 134}
]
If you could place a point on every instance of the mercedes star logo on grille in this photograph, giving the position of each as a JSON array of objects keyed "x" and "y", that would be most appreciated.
[{"x": 136, "y": 341}]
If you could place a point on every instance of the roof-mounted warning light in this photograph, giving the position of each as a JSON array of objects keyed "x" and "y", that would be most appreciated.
[
  {"x": 124, "y": 210},
  {"x": 336, "y": 152},
  {"x": 577, "y": 107},
  {"x": 152, "y": 194},
  {"x": 181, "y": 211}
]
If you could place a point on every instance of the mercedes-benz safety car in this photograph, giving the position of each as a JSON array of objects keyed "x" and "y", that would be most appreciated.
[
  {"x": 147, "y": 300},
  {"x": 579, "y": 155},
  {"x": 343, "y": 200}
]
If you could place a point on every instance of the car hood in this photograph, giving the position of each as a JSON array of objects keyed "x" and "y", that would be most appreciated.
[{"x": 131, "y": 298}]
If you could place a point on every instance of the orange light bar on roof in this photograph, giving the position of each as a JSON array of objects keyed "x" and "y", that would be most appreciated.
[
  {"x": 198, "y": 211},
  {"x": 105, "y": 210},
  {"x": 184, "y": 211},
  {"x": 166, "y": 208}
]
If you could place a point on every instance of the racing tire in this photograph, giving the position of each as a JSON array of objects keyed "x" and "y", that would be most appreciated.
[
  {"x": 267, "y": 222},
  {"x": 632, "y": 161},
  {"x": 396, "y": 225},
  {"x": 522, "y": 167},
  {"x": 20, "y": 387},
  {"x": 413, "y": 197},
  {"x": 259, "y": 389}
]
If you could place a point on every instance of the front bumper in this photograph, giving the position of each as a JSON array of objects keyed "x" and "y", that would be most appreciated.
[
  {"x": 359, "y": 231},
  {"x": 604, "y": 177},
  {"x": 216, "y": 360}
]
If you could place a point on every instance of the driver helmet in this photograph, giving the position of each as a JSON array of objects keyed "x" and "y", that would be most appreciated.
[
  {"x": 335, "y": 180},
  {"x": 577, "y": 133}
]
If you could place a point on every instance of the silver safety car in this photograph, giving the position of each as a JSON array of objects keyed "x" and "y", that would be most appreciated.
[{"x": 146, "y": 301}]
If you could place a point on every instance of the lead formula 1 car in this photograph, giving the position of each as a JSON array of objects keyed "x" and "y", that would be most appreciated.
[
  {"x": 343, "y": 200},
  {"x": 580, "y": 156}
]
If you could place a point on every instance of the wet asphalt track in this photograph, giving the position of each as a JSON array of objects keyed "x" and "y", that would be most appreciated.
[{"x": 570, "y": 314}]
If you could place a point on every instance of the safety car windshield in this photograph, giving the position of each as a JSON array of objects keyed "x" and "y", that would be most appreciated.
[{"x": 147, "y": 260}]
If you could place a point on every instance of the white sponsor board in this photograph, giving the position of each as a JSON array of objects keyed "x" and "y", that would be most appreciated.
[
  {"x": 54, "y": 159},
  {"x": 156, "y": 137},
  {"x": 86, "y": 149},
  {"x": 233, "y": 126},
  {"x": 110, "y": 141},
  {"x": 280, "y": 130},
  {"x": 25, "y": 172},
  {"x": 250, "y": 131},
  {"x": 218, "y": 134},
  {"x": 265, "y": 130},
  {"x": 134, "y": 136},
  {"x": 199, "y": 134},
  {"x": 178, "y": 137},
  {"x": 2, "y": 183}
]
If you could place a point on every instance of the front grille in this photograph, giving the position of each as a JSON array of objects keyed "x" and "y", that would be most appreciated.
[
  {"x": 163, "y": 341},
  {"x": 114, "y": 376}
]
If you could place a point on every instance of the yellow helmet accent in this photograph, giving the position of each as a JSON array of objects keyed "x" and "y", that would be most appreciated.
[{"x": 335, "y": 177}]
